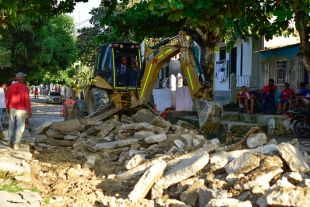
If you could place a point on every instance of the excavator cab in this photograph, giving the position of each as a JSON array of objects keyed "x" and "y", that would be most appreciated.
[{"x": 119, "y": 65}]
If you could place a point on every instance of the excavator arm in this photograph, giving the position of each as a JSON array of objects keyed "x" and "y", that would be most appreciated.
[{"x": 209, "y": 112}]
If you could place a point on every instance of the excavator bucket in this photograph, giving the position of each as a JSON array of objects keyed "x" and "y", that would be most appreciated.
[{"x": 209, "y": 114}]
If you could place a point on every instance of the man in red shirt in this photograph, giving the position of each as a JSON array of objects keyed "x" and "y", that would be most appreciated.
[
  {"x": 18, "y": 105},
  {"x": 286, "y": 98}
]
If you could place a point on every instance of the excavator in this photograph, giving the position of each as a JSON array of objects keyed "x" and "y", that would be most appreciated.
[{"x": 122, "y": 81}]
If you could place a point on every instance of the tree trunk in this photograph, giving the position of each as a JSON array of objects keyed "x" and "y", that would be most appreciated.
[
  {"x": 207, "y": 64},
  {"x": 303, "y": 29}
]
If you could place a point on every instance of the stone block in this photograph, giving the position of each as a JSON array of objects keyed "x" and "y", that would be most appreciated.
[
  {"x": 181, "y": 170},
  {"x": 143, "y": 115},
  {"x": 244, "y": 164},
  {"x": 143, "y": 134},
  {"x": 68, "y": 126},
  {"x": 115, "y": 144},
  {"x": 256, "y": 140},
  {"x": 134, "y": 161},
  {"x": 146, "y": 182},
  {"x": 155, "y": 138},
  {"x": 294, "y": 158},
  {"x": 289, "y": 196}
]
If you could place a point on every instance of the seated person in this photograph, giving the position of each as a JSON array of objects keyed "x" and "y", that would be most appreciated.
[
  {"x": 286, "y": 98},
  {"x": 303, "y": 96},
  {"x": 243, "y": 98},
  {"x": 134, "y": 73},
  {"x": 255, "y": 100},
  {"x": 269, "y": 94}
]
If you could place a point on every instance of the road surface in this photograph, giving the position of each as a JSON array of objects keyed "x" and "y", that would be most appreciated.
[{"x": 43, "y": 112}]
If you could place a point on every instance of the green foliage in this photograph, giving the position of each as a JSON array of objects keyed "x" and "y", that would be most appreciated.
[
  {"x": 5, "y": 57},
  {"x": 82, "y": 79},
  {"x": 12, "y": 11},
  {"x": 87, "y": 45},
  {"x": 39, "y": 46},
  {"x": 11, "y": 187}
]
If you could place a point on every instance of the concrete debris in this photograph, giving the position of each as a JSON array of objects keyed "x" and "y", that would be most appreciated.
[
  {"x": 143, "y": 115},
  {"x": 294, "y": 158},
  {"x": 289, "y": 196},
  {"x": 256, "y": 140},
  {"x": 134, "y": 161},
  {"x": 165, "y": 164},
  {"x": 147, "y": 180},
  {"x": 155, "y": 138},
  {"x": 244, "y": 164}
]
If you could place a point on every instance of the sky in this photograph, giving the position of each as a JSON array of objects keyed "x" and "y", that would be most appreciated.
[{"x": 81, "y": 13}]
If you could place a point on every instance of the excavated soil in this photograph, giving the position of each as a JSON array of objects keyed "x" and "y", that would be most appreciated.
[{"x": 58, "y": 175}]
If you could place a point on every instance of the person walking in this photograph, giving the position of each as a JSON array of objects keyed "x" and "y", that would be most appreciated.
[
  {"x": 2, "y": 104},
  {"x": 18, "y": 105}
]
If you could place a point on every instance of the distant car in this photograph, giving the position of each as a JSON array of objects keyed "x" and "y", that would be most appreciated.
[{"x": 54, "y": 97}]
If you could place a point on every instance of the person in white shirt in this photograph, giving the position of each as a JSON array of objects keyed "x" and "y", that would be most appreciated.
[{"x": 2, "y": 104}]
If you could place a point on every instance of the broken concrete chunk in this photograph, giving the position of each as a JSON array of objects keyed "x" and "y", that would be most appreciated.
[
  {"x": 67, "y": 126},
  {"x": 43, "y": 128},
  {"x": 191, "y": 195},
  {"x": 261, "y": 179},
  {"x": 54, "y": 134},
  {"x": 160, "y": 122},
  {"x": 182, "y": 170},
  {"x": 225, "y": 202},
  {"x": 115, "y": 144},
  {"x": 134, "y": 161},
  {"x": 196, "y": 142},
  {"x": 90, "y": 161},
  {"x": 107, "y": 127},
  {"x": 243, "y": 164},
  {"x": 175, "y": 203},
  {"x": 155, "y": 138},
  {"x": 294, "y": 158},
  {"x": 143, "y": 134},
  {"x": 41, "y": 139},
  {"x": 146, "y": 182},
  {"x": 179, "y": 143},
  {"x": 71, "y": 137},
  {"x": 188, "y": 139},
  {"x": 143, "y": 115},
  {"x": 256, "y": 140},
  {"x": 266, "y": 149},
  {"x": 139, "y": 170},
  {"x": 270, "y": 163},
  {"x": 284, "y": 196},
  {"x": 205, "y": 195}
]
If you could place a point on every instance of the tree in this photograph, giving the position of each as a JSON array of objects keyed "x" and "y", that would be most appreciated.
[
  {"x": 13, "y": 10},
  {"x": 37, "y": 47},
  {"x": 281, "y": 17}
]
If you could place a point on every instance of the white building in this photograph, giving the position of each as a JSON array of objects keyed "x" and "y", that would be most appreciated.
[{"x": 243, "y": 61}]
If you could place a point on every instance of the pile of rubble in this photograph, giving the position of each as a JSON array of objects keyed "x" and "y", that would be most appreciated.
[{"x": 173, "y": 165}]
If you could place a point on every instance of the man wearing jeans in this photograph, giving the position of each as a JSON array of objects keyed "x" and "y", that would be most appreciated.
[{"x": 18, "y": 105}]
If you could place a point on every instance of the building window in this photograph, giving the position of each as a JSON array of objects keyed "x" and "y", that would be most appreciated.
[
  {"x": 280, "y": 69},
  {"x": 222, "y": 53}
]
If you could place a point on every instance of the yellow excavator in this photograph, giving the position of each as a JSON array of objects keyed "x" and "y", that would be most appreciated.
[{"x": 122, "y": 81}]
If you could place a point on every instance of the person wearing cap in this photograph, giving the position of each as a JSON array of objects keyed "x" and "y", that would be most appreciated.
[{"x": 18, "y": 105}]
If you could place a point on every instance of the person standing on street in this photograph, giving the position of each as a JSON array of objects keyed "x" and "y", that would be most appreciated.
[
  {"x": 2, "y": 104},
  {"x": 18, "y": 105}
]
